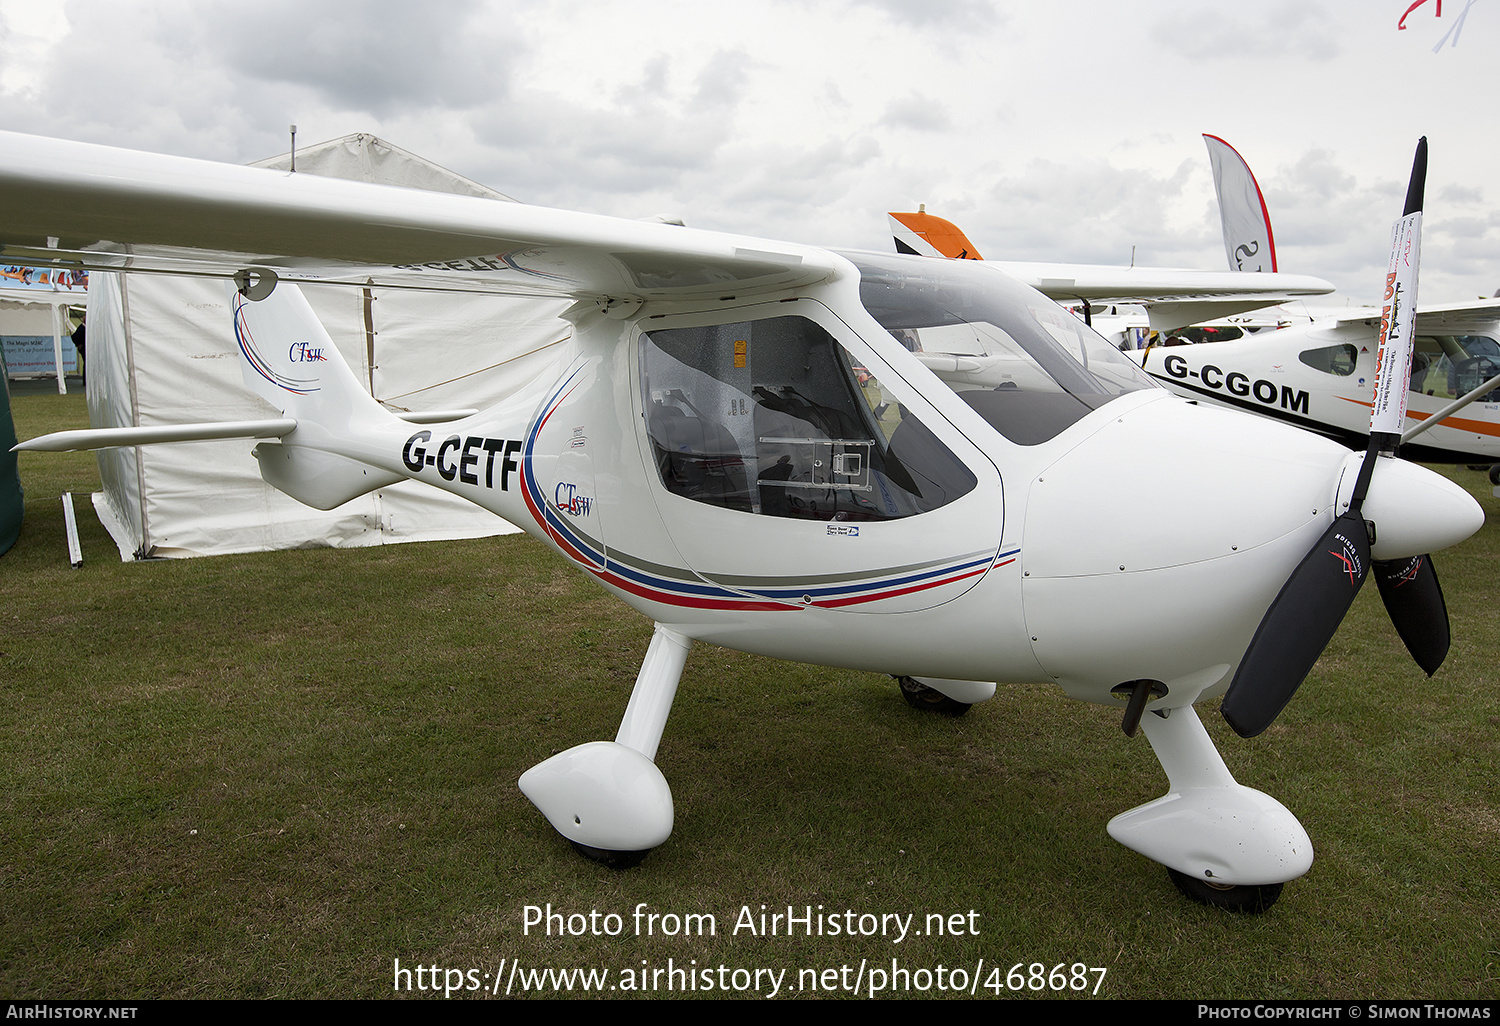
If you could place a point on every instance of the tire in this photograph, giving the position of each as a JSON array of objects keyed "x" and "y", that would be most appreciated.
[
  {"x": 1495, "y": 474},
  {"x": 921, "y": 697},
  {"x": 1251, "y": 899},
  {"x": 612, "y": 859}
]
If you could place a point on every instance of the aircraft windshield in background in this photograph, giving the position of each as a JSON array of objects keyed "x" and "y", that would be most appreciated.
[
  {"x": 1318, "y": 377},
  {"x": 739, "y": 441}
]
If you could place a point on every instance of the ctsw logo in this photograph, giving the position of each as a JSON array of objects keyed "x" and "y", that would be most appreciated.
[
  {"x": 566, "y": 498},
  {"x": 460, "y": 457},
  {"x": 303, "y": 352},
  {"x": 1238, "y": 384}
]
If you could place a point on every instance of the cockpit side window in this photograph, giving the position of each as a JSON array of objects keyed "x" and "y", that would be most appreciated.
[
  {"x": 774, "y": 417},
  {"x": 1339, "y": 359}
]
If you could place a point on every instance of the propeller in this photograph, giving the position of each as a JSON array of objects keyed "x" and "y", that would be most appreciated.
[{"x": 1313, "y": 601}]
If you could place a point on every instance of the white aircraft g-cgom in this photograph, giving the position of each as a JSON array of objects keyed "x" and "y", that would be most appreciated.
[
  {"x": 1318, "y": 375},
  {"x": 740, "y": 446}
]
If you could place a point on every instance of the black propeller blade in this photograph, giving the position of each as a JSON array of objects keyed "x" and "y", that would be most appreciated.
[
  {"x": 1414, "y": 599},
  {"x": 1313, "y": 601},
  {"x": 1298, "y": 626}
]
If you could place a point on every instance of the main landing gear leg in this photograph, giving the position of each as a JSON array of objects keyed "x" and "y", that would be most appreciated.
[
  {"x": 607, "y": 797},
  {"x": 1223, "y": 844}
]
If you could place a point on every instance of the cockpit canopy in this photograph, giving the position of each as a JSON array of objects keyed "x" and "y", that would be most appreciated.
[
  {"x": 774, "y": 416},
  {"x": 1029, "y": 367}
]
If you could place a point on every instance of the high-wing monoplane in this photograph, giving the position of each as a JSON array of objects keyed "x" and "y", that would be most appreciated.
[
  {"x": 740, "y": 442},
  {"x": 1318, "y": 374},
  {"x": 1318, "y": 377}
]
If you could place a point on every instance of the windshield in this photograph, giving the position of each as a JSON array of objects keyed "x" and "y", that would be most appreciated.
[{"x": 1024, "y": 363}]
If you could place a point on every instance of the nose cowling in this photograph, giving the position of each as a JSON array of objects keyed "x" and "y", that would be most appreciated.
[{"x": 1153, "y": 547}]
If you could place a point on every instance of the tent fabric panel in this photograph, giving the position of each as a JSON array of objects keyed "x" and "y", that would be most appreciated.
[{"x": 111, "y": 404}]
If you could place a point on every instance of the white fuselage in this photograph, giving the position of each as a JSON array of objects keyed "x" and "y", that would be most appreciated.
[
  {"x": 1320, "y": 377},
  {"x": 1143, "y": 541}
]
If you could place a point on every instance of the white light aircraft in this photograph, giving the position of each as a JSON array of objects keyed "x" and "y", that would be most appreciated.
[
  {"x": 740, "y": 445},
  {"x": 1318, "y": 375},
  {"x": 1173, "y": 297}
]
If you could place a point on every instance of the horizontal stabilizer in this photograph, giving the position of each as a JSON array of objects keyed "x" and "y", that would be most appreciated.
[{"x": 106, "y": 438}]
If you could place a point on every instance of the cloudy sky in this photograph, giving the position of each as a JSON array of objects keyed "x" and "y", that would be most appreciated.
[{"x": 1068, "y": 130}]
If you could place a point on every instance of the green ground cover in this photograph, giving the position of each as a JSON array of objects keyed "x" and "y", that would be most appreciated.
[{"x": 276, "y": 775}]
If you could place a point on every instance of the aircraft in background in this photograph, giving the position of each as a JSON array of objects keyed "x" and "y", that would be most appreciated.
[
  {"x": 738, "y": 442},
  {"x": 1317, "y": 375}
]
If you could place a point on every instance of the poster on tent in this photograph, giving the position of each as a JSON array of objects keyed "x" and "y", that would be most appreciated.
[
  {"x": 31, "y": 355},
  {"x": 45, "y": 279}
]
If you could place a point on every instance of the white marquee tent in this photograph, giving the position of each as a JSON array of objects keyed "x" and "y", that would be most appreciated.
[{"x": 161, "y": 351}]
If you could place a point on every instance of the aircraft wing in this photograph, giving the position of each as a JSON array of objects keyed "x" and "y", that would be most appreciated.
[
  {"x": 1172, "y": 297},
  {"x": 1431, "y": 318},
  {"x": 104, "y": 208}
]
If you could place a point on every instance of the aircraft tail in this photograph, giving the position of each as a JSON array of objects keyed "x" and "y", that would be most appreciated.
[
  {"x": 922, "y": 234},
  {"x": 290, "y": 361}
]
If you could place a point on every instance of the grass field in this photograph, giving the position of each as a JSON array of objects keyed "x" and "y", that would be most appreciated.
[{"x": 276, "y": 775}]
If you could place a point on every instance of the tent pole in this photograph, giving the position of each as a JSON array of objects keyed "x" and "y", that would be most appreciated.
[{"x": 57, "y": 360}]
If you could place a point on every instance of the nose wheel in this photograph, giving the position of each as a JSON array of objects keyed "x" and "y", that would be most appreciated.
[
  {"x": 925, "y": 699},
  {"x": 1235, "y": 898}
]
